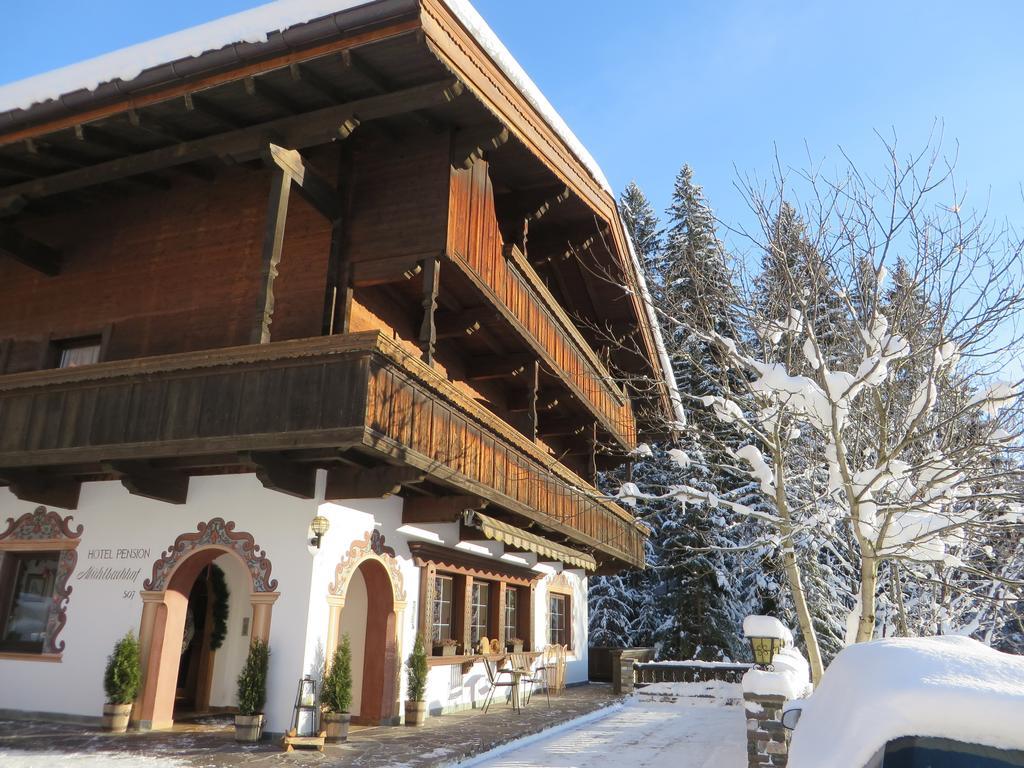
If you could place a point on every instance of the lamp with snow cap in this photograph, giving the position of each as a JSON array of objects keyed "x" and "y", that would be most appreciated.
[
  {"x": 765, "y": 648},
  {"x": 319, "y": 526}
]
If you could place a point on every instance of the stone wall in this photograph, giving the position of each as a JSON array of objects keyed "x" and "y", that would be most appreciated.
[{"x": 767, "y": 739}]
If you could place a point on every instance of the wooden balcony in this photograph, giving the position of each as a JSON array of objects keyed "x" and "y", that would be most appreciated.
[
  {"x": 283, "y": 409},
  {"x": 512, "y": 285}
]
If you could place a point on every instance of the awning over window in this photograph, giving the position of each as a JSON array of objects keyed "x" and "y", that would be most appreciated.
[{"x": 508, "y": 534}]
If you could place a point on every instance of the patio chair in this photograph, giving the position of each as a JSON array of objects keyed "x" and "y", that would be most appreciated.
[
  {"x": 494, "y": 678},
  {"x": 522, "y": 662}
]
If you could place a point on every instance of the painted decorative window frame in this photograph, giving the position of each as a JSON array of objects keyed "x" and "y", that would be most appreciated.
[
  {"x": 465, "y": 570},
  {"x": 45, "y": 532},
  {"x": 561, "y": 587}
]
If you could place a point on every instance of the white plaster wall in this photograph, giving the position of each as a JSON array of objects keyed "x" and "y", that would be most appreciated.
[
  {"x": 100, "y": 611},
  {"x": 230, "y": 657},
  {"x": 353, "y": 623},
  {"x": 280, "y": 524}
]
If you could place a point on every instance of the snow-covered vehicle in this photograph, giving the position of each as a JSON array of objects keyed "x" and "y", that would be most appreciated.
[{"x": 942, "y": 702}]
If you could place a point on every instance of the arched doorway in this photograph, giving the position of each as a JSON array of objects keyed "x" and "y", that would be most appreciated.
[
  {"x": 368, "y": 617},
  {"x": 367, "y": 601},
  {"x": 165, "y": 610}
]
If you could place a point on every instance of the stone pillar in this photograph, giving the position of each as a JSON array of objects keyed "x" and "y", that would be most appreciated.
[
  {"x": 622, "y": 671},
  {"x": 767, "y": 739}
]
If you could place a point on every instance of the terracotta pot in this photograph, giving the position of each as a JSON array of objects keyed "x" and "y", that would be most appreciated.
[
  {"x": 336, "y": 725},
  {"x": 248, "y": 728},
  {"x": 115, "y": 717},
  {"x": 415, "y": 712}
]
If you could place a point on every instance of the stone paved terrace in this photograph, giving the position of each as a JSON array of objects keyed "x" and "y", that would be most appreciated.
[{"x": 444, "y": 740}]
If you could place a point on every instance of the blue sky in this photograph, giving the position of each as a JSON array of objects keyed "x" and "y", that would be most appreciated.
[{"x": 652, "y": 84}]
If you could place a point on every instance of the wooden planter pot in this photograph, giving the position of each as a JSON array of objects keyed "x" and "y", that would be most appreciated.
[
  {"x": 336, "y": 724},
  {"x": 248, "y": 728},
  {"x": 415, "y": 712},
  {"x": 115, "y": 717}
]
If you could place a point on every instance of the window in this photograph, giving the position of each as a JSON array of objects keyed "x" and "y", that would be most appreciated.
[
  {"x": 441, "y": 625},
  {"x": 511, "y": 614},
  {"x": 27, "y": 601},
  {"x": 558, "y": 620},
  {"x": 480, "y": 612},
  {"x": 71, "y": 353}
]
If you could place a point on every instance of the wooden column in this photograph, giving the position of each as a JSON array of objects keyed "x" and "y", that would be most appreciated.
[
  {"x": 592, "y": 453},
  {"x": 498, "y": 610},
  {"x": 338, "y": 289},
  {"x": 533, "y": 382},
  {"x": 426, "y": 611},
  {"x": 465, "y": 608},
  {"x": 428, "y": 329},
  {"x": 273, "y": 242}
]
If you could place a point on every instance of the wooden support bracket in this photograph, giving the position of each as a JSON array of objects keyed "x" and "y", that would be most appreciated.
[
  {"x": 277, "y": 473},
  {"x": 441, "y": 509},
  {"x": 376, "y": 483},
  {"x": 141, "y": 479},
  {"x": 41, "y": 488}
]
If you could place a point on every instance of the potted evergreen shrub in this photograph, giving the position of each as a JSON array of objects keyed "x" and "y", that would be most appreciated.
[
  {"x": 121, "y": 682},
  {"x": 336, "y": 693},
  {"x": 252, "y": 693},
  {"x": 416, "y": 704}
]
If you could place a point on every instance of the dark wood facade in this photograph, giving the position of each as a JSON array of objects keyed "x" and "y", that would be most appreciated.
[{"x": 350, "y": 257}]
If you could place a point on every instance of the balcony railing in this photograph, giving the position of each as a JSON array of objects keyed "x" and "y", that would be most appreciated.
[
  {"x": 358, "y": 392},
  {"x": 512, "y": 285}
]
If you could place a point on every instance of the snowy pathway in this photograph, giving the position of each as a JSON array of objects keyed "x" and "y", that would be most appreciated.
[{"x": 668, "y": 725}]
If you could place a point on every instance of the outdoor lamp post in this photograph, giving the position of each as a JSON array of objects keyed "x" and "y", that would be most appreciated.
[
  {"x": 320, "y": 526},
  {"x": 765, "y": 648}
]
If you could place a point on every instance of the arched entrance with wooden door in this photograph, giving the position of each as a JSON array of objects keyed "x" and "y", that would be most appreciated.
[
  {"x": 165, "y": 610},
  {"x": 367, "y": 601}
]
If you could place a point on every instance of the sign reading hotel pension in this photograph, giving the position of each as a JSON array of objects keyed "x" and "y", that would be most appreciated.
[{"x": 121, "y": 568}]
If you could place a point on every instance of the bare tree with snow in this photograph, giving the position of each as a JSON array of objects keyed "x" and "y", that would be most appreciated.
[{"x": 906, "y": 394}]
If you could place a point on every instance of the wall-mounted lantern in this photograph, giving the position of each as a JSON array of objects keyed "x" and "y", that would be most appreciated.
[{"x": 320, "y": 526}]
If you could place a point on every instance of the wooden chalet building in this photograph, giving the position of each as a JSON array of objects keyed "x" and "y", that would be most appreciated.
[{"x": 348, "y": 269}]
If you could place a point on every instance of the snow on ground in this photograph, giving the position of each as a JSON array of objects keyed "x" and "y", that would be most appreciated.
[
  {"x": 665, "y": 725},
  {"x": 945, "y": 687},
  {"x": 20, "y": 759}
]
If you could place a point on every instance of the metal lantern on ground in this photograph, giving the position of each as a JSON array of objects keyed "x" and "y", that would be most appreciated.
[
  {"x": 319, "y": 526},
  {"x": 765, "y": 648}
]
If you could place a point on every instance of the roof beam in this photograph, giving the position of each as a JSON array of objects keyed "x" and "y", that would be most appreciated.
[
  {"x": 472, "y": 144},
  {"x": 297, "y": 131},
  {"x": 260, "y": 89},
  {"x": 316, "y": 190},
  {"x": 29, "y": 252},
  {"x": 201, "y": 104},
  {"x": 498, "y": 367},
  {"x": 396, "y": 269}
]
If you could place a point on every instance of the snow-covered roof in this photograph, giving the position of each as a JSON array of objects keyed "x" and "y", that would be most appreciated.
[
  {"x": 255, "y": 26},
  {"x": 942, "y": 687}
]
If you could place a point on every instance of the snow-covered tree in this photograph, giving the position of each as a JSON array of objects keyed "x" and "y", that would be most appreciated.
[{"x": 914, "y": 428}]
